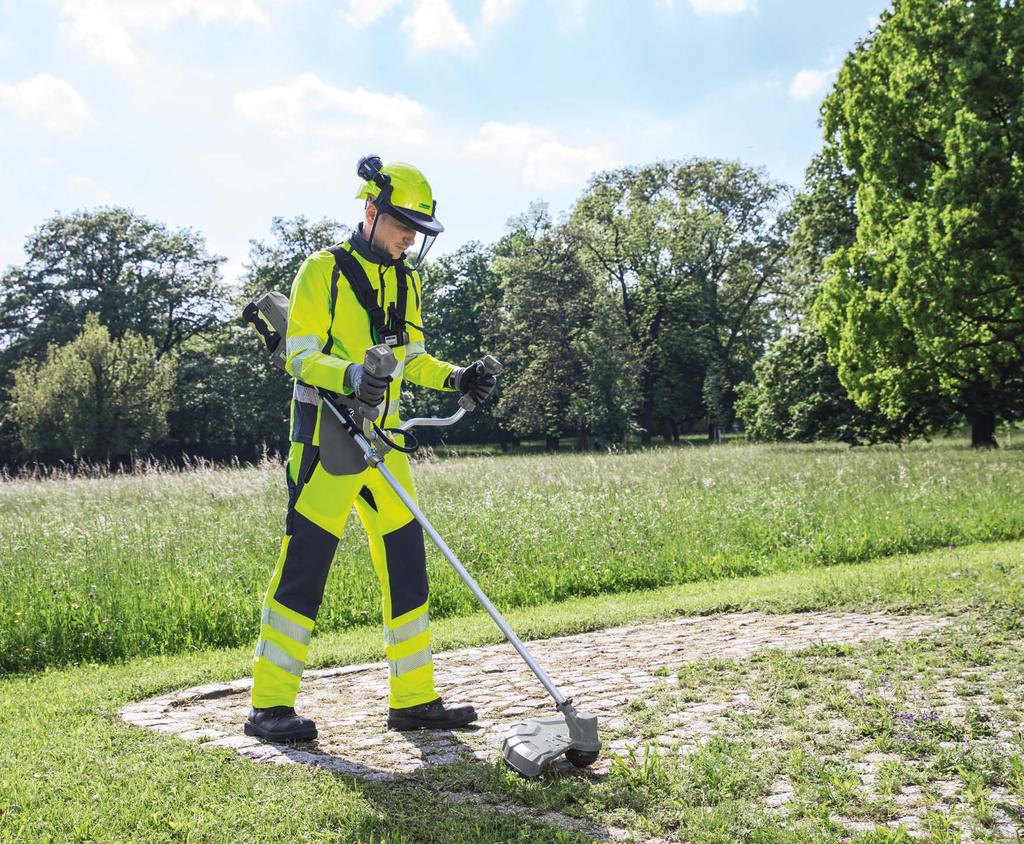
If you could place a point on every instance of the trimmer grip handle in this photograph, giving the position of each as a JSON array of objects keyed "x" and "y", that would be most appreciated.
[
  {"x": 492, "y": 365},
  {"x": 380, "y": 360}
]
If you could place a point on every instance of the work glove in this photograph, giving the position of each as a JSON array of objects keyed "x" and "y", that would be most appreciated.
[
  {"x": 473, "y": 380},
  {"x": 366, "y": 386}
]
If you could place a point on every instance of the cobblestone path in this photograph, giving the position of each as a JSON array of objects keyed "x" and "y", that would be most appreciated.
[{"x": 603, "y": 672}]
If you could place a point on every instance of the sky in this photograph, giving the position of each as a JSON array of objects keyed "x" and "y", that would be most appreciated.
[{"x": 218, "y": 115}]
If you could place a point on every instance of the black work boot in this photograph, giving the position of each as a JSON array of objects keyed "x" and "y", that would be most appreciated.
[
  {"x": 279, "y": 723},
  {"x": 430, "y": 716}
]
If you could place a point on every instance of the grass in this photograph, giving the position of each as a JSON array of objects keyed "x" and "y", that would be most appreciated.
[
  {"x": 72, "y": 772},
  {"x": 102, "y": 569}
]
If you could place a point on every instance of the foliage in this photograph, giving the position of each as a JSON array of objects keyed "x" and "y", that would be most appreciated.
[
  {"x": 134, "y": 274},
  {"x": 94, "y": 398},
  {"x": 692, "y": 251},
  {"x": 461, "y": 302},
  {"x": 796, "y": 395},
  {"x": 923, "y": 313}
]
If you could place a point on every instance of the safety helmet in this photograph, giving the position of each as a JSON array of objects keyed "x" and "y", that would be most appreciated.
[{"x": 402, "y": 191}]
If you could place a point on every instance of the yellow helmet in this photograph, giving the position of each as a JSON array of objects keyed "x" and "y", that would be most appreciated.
[{"x": 400, "y": 190}]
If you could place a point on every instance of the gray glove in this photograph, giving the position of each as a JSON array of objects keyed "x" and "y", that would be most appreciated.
[
  {"x": 473, "y": 380},
  {"x": 366, "y": 386}
]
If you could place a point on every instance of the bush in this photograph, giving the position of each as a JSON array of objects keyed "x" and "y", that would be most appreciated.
[{"x": 94, "y": 398}]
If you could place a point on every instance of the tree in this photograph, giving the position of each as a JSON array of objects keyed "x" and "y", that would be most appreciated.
[
  {"x": 134, "y": 274},
  {"x": 547, "y": 299},
  {"x": 796, "y": 395},
  {"x": 693, "y": 252},
  {"x": 461, "y": 302},
  {"x": 95, "y": 398},
  {"x": 924, "y": 312},
  {"x": 230, "y": 401}
]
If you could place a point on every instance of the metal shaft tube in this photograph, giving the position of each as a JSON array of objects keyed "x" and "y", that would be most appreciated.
[
  {"x": 376, "y": 461},
  {"x": 467, "y": 578}
]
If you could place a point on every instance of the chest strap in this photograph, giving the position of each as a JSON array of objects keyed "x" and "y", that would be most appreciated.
[{"x": 384, "y": 328}]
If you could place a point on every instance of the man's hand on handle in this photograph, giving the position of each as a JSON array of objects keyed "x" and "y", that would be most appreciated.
[
  {"x": 474, "y": 380},
  {"x": 366, "y": 386}
]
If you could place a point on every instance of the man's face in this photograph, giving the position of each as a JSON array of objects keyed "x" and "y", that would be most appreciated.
[{"x": 391, "y": 235}]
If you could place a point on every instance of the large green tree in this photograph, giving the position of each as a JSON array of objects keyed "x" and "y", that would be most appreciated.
[
  {"x": 924, "y": 312},
  {"x": 693, "y": 252},
  {"x": 95, "y": 398},
  {"x": 133, "y": 273},
  {"x": 547, "y": 298}
]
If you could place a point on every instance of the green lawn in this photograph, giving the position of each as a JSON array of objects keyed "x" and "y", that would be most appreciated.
[
  {"x": 111, "y": 568},
  {"x": 72, "y": 772}
]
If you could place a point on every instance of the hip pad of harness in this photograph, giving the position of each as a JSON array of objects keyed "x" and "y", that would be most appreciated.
[{"x": 270, "y": 308}]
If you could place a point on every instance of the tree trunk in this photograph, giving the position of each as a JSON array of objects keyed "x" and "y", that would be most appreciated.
[
  {"x": 983, "y": 429},
  {"x": 582, "y": 441},
  {"x": 647, "y": 404},
  {"x": 551, "y": 442}
]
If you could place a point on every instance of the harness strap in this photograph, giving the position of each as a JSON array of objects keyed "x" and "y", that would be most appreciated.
[
  {"x": 345, "y": 264},
  {"x": 398, "y": 309}
]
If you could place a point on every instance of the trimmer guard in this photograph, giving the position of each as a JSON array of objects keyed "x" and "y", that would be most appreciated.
[{"x": 533, "y": 744}]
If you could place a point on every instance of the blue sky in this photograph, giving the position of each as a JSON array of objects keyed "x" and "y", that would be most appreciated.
[{"x": 220, "y": 114}]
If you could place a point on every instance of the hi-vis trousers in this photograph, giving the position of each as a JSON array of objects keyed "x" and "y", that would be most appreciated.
[{"x": 318, "y": 506}]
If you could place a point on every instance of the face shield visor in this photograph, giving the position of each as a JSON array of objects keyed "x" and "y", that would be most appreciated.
[{"x": 412, "y": 232}]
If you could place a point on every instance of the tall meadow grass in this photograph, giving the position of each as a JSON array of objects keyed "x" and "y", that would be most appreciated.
[{"x": 102, "y": 568}]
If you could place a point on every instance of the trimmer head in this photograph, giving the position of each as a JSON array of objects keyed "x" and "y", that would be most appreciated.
[{"x": 531, "y": 745}]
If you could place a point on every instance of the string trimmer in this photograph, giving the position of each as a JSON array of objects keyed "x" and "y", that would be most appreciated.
[{"x": 530, "y": 745}]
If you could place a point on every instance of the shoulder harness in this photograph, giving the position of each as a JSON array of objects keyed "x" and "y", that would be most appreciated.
[{"x": 386, "y": 328}]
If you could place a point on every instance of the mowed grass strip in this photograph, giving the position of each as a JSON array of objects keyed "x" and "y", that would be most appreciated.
[
  {"x": 110, "y": 568},
  {"x": 72, "y": 771}
]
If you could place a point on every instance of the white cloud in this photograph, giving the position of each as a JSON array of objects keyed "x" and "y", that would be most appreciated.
[
  {"x": 432, "y": 25},
  {"x": 47, "y": 100},
  {"x": 546, "y": 163},
  {"x": 809, "y": 83},
  {"x": 722, "y": 7},
  {"x": 494, "y": 12},
  {"x": 103, "y": 28},
  {"x": 361, "y": 14},
  {"x": 309, "y": 106}
]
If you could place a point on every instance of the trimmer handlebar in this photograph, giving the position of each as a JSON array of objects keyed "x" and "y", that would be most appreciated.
[{"x": 380, "y": 360}]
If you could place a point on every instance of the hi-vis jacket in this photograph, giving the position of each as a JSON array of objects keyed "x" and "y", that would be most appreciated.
[{"x": 346, "y": 338}]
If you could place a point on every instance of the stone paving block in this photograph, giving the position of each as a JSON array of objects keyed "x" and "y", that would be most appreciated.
[{"x": 349, "y": 703}]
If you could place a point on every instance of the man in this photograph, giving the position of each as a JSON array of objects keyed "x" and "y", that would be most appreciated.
[{"x": 344, "y": 300}]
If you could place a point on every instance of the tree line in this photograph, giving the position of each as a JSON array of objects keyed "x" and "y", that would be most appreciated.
[{"x": 882, "y": 302}]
